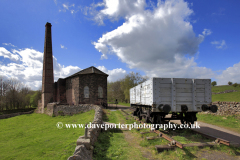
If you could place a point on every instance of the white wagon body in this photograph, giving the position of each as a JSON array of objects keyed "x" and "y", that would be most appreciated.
[{"x": 172, "y": 91}]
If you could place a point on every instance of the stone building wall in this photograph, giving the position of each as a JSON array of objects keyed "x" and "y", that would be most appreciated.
[
  {"x": 60, "y": 91},
  {"x": 72, "y": 90},
  {"x": 93, "y": 81}
]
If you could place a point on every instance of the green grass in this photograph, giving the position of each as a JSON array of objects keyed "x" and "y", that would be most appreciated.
[
  {"x": 228, "y": 122},
  {"x": 112, "y": 145},
  {"x": 233, "y": 96},
  {"x": 112, "y": 116},
  {"x": 35, "y": 136}
]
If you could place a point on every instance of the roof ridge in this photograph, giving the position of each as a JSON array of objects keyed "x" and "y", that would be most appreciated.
[{"x": 92, "y": 71}]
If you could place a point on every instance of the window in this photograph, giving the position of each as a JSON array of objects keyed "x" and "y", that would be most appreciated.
[
  {"x": 86, "y": 92},
  {"x": 100, "y": 92}
]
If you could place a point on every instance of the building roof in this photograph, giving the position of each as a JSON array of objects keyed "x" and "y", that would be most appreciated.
[{"x": 89, "y": 70}]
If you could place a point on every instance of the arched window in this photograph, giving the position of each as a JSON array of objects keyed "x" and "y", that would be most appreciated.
[
  {"x": 86, "y": 92},
  {"x": 100, "y": 92}
]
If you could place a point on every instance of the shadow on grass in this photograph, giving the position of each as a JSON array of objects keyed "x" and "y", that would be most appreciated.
[
  {"x": 189, "y": 154},
  {"x": 101, "y": 148}
]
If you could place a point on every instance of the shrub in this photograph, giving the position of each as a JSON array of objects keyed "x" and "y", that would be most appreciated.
[
  {"x": 214, "y": 83},
  {"x": 229, "y": 83},
  {"x": 235, "y": 85}
]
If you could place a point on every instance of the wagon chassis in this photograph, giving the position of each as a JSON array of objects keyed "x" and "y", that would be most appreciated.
[{"x": 145, "y": 112}]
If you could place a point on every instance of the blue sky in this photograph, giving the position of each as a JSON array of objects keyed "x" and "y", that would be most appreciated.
[{"x": 172, "y": 38}]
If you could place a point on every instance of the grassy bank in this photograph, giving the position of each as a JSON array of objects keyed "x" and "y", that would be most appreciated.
[
  {"x": 233, "y": 96},
  {"x": 35, "y": 136},
  {"x": 228, "y": 122}
]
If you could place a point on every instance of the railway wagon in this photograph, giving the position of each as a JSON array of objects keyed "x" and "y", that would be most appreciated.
[{"x": 183, "y": 97}]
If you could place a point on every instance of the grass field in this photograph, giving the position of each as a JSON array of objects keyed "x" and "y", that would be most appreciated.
[
  {"x": 35, "y": 136},
  {"x": 233, "y": 96}
]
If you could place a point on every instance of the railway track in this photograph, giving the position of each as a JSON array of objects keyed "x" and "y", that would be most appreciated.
[{"x": 173, "y": 143}]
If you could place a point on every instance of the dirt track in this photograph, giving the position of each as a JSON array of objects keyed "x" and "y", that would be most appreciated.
[{"x": 210, "y": 129}]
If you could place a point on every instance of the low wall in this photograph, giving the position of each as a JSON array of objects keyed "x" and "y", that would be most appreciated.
[
  {"x": 14, "y": 114},
  {"x": 84, "y": 148},
  {"x": 61, "y": 109},
  {"x": 227, "y": 108},
  {"x": 227, "y": 91}
]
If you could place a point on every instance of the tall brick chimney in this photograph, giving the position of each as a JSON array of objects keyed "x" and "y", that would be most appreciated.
[{"x": 47, "y": 76}]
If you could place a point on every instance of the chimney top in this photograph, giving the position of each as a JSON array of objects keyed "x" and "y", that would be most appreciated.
[{"x": 48, "y": 24}]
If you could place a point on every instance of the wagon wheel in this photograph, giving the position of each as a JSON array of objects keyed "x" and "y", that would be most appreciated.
[
  {"x": 147, "y": 117},
  {"x": 138, "y": 114}
]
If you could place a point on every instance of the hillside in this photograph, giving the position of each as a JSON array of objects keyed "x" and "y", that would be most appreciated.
[{"x": 233, "y": 96}]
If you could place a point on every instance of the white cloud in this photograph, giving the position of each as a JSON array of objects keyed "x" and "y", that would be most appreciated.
[
  {"x": 230, "y": 74},
  {"x": 62, "y": 46},
  {"x": 73, "y": 11},
  {"x": 6, "y": 54},
  {"x": 67, "y": 7},
  {"x": 115, "y": 74},
  {"x": 55, "y": 1},
  {"x": 156, "y": 41},
  {"x": 220, "y": 44},
  {"x": 207, "y": 32},
  {"x": 28, "y": 68},
  {"x": 114, "y": 9},
  {"x": 9, "y": 44}
]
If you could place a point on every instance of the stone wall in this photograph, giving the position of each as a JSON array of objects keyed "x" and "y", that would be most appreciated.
[
  {"x": 14, "y": 114},
  {"x": 227, "y": 91},
  {"x": 227, "y": 108},
  {"x": 71, "y": 109},
  {"x": 64, "y": 109},
  {"x": 84, "y": 148}
]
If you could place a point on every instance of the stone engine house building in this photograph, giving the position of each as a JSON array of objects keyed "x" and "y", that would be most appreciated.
[{"x": 88, "y": 86}]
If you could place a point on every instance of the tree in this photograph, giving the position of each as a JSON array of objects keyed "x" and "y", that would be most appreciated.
[
  {"x": 34, "y": 98},
  {"x": 229, "y": 83},
  {"x": 235, "y": 85},
  {"x": 214, "y": 83},
  {"x": 115, "y": 91},
  {"x": 131, "y": 80}
]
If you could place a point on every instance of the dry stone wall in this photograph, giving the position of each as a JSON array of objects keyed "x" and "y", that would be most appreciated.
[
  {"x": 227, "y": 91},
  {"x": 84, "y": 148},
  {"x": 227, "y": 108},
  {"x": 14, "y": 114}
]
